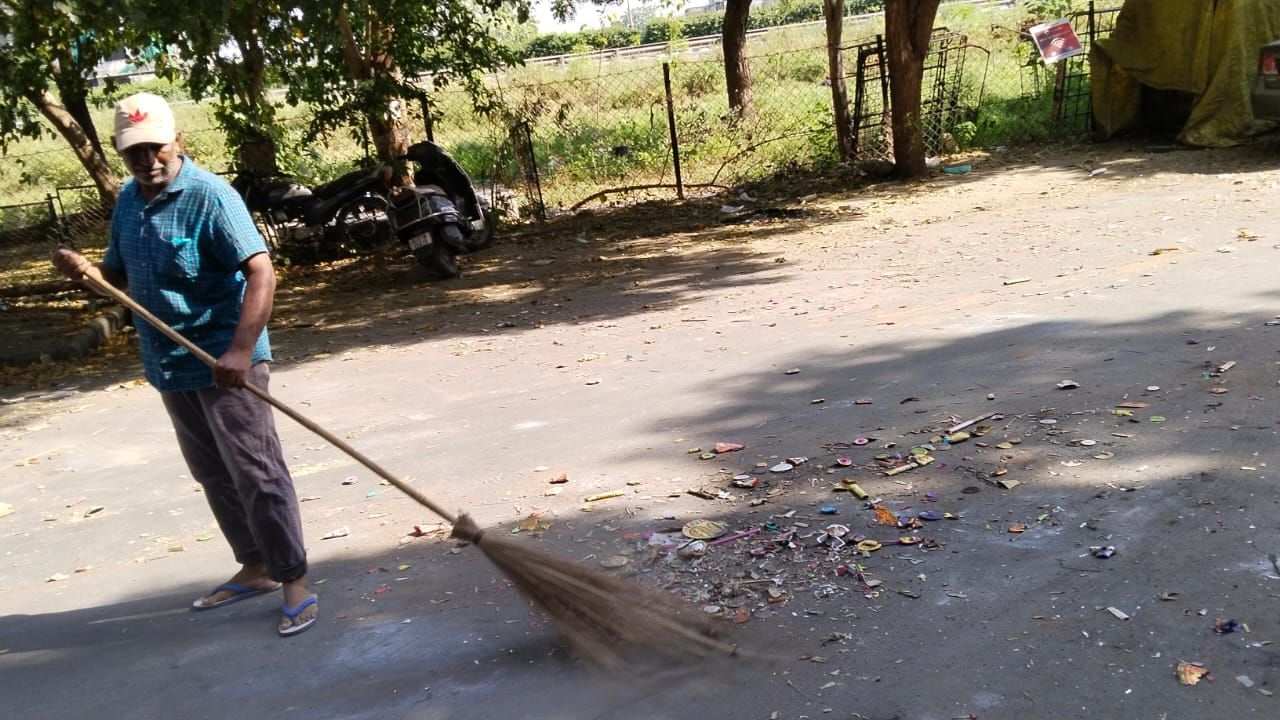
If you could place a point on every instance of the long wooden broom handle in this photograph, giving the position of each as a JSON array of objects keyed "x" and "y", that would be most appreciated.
[{"x": 100, "y": 284}]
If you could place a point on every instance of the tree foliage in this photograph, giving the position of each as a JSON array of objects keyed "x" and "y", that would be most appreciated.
[
  {"x": 366, "y": 59},
  {"x": 49, "y": 50},
  {"x": 226, "y": 57}
]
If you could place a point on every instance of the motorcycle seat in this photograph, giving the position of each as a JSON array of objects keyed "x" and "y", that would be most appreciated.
[{"x": 350, "y": 181}]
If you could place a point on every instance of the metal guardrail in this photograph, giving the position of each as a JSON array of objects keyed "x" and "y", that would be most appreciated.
[{"x": 708, "y": 41}]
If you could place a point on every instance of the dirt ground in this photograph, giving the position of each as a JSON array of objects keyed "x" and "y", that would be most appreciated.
[{"x": 1108, "y": 312}]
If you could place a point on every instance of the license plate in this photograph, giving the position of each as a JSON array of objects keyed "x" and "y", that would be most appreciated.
[{"x": 419, "y": 241}]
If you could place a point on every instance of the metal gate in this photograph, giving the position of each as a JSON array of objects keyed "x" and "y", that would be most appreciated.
[{"x": 943, "y": 102}]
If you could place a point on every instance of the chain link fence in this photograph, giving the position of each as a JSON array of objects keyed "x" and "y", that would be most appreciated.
[{"x": 607, "y": 133}]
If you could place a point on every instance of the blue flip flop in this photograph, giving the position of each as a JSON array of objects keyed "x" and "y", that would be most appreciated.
[
  {"x": 242, "y": 592},
  {"x": 292, "y": 614}
]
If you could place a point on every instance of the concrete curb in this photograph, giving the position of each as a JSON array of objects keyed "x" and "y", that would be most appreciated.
[{"x": 72, "y": 346}]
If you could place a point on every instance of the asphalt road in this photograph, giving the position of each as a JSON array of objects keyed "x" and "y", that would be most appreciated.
[{"x": 910, "y": 309}]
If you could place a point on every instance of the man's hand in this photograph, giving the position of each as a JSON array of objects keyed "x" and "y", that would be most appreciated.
[
  {"x": 70, "y": 263},
  {"x": 232, "y": 369}
]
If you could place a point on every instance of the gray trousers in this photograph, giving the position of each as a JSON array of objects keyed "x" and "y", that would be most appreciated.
[{"x": 229, "y": 440}]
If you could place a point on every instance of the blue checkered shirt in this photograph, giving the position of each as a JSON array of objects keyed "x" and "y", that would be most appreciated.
[{"x": 181, "y": 254}]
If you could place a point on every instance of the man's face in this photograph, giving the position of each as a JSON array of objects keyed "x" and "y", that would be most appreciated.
[{"x": 151, "y": 165}]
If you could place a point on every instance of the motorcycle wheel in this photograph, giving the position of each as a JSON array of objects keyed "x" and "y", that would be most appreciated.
[
  {"x": 482, "y": 239},
  {"x": 364, "y": 222},
  {"x": 439, "y": 258}
]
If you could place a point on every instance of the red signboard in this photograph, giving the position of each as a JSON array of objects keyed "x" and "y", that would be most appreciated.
[{"x": 1056, "y": 40}]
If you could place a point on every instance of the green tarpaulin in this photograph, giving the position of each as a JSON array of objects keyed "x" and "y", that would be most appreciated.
[{"x": 1206, "y": 48}]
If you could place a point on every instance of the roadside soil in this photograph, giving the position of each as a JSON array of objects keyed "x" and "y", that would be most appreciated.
[{"x": 617, "y": 349}]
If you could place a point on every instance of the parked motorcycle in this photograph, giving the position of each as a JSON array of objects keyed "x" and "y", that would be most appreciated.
[
  {"x": 351, "y": 206},
  {"x": 440, "y": 215}
]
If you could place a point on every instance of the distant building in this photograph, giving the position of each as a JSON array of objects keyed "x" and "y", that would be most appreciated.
[{"x": 711, "y": 6}]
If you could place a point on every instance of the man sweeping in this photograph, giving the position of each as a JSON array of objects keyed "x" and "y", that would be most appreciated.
[{"x": 184, "y": 246}]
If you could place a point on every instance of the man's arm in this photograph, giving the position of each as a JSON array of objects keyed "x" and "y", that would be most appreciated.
[
  {"x": 73, "y": 265},
  {"x": 232, "y": 369}
]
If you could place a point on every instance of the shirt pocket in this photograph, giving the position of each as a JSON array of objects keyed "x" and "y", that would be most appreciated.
[{"x": 179, "y": 258}]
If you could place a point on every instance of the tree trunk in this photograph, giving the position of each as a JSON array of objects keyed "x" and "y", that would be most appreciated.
[
  {"x": 391, "y": 135},
  {"x": 833, "y": 12},
  {"x": 78, "y": 107},
  {"x": 389, "y": 126},
  {"x": 737, "y": 70},
  {"x": 94, "y": 162},
  {"x": 256, "y": 148},
  {"x": 908, "y": 25}
]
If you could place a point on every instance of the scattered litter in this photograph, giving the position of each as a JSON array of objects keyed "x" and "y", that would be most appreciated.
[
  {"x": 1190, "y": 673},
  {"x": 533, "y": 523},
  {"x": 885, "y": 516},
  {"x": 692, "y": 550},
  {"x": 704, "y": 529},
  {"x": 1017, "y": 281},
  {"x": 1163, "y": 250},
  {"x": 351, "y": 480},
  {"x": 849, "y": 485},
  {"x": 604, "y": 496},
  {"x": 1245, "y": 680},
  {"x": 724, "y": 447},
  {"x": 57, "y": 577},
  {"x": 958, "y": 169},
  {"x": 1008, "y": 484},
  {"x": 1068, "y": 385},
  {"x": 615, "y": 561},
  {"x": 340, "y": 532},
  {"x": 1169, "y": 595},
  {"x": 5, "y": 509},
  {"x": 1120, "y": 614},
  {"x": 782, "y": 467},
  {"x": 1224, "y": 627},
  {"x": 1152, "y": 388},
  {"x": 559, "y": 479},
  {"x": 1103, "y": 551},
  {"x": 1017, "y": 528},
  {"x": 793, "y": 371}
]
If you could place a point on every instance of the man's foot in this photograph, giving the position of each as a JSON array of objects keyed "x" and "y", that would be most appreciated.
[
  {"x": 251, "y": 580},
  {"x": 300, "y": 609}
]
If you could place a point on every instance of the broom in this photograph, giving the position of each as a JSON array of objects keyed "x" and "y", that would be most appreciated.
[{"x": 605, "y": 619}]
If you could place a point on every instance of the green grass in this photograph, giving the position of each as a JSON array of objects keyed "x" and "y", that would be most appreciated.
[{"x": 599, "y": 124}]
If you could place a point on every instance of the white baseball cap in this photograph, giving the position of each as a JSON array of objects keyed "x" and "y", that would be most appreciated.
[{"x": 144, "y": 118}]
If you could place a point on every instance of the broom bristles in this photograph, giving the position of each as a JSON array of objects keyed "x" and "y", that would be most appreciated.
[{"x": 607, "y": 621}]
